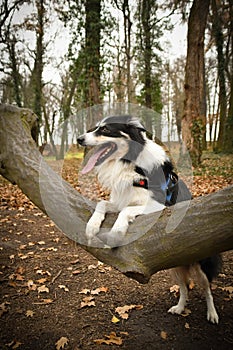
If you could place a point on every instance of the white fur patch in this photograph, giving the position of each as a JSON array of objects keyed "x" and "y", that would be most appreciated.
[{"x": 153, "y": 155}]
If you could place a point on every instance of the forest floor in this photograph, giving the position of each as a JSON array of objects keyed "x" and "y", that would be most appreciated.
[{"x": 54, "y": 295}]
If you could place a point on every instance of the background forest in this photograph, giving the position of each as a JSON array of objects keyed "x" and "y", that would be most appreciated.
[
  {"x": 65, "y": 60},
  {"x": 115, "y": 51}
]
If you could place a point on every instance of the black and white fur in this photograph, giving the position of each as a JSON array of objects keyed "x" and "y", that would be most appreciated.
[{"x": 139, "y": 175}]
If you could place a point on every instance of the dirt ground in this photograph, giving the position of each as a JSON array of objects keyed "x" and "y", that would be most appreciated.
[{"x": 54, "y": 295}]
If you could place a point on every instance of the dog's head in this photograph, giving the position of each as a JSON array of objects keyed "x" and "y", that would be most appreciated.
[{"x": 117, "y": 137}]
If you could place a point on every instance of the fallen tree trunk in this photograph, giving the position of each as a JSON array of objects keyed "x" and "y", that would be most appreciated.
[{"x": 206, "y": 229}]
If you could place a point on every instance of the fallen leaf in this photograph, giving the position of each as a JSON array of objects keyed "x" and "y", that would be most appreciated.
[
  {"x": 3, "y": 308},
  {"x": 29, "y": 313},
  {"x": 20, "y": 270},
  {"x": 228, "y": 289},
  {"x": 99, "y": 290},
  {"x": 191, "y": 284},
  {"x": 44, "y": 302},
  {"x": 42, "y": 280},
  {"x": 175, "y": 289},
  {"x": 31, "y": 285},
  {"x": 115, "y": 319},
  {"x": 163, "y": 335},
  {"x": 186, "y": 312},
  {"x": 90, "y": 267},
  {"x": 75, "y": 262},
  {"x": 61, "y": 286},
  {"x": 19, "y": 277},
  {"x": 88, "y": 301},
  {"x": 85, "y": 291},
  {"x": 187, "y": 326},
  {"x": 43, "y": 289},
  {"x": 111, "y": 339},
  {"x": 123, "y": 311},
  {"x": 41, "y": 272},
  {"x": 61, "y": 343},
  {"x": 51, "y": 249},
  {"x": 23, "y": 257},
  {"x": 14, "y": 344}
]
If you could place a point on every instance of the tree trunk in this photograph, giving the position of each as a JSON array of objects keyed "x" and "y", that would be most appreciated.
[
  {"x": 36, "y": 78},
  {"x": 194, "y": 119},
  {"x": 206, "y": 228},
  {"x": 146, "y": 39},
  {"x": 14, "y": 70},
  {"x": 92, "y": 51},
  {"x": 228, "y": 142},
  {"x": 127, "y": 41},
  {"x": 219, "y": 42}
]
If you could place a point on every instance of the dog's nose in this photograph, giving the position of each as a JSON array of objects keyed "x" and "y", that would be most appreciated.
[{"x": 81, "y": 140}]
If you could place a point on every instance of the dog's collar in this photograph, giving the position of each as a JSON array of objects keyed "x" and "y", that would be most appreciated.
[{"x": 141, "y": 183}]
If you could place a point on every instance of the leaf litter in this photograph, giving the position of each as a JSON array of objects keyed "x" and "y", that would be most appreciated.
[{"x": 20, "y": 277}]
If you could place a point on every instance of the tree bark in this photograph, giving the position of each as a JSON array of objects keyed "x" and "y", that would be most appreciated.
[
  {"x": 219, "y": 42},
  {"x": 205, "y": 230},
  {"x": 194, "y": 119},
  {"x": 92, "y": 51},
  {"x": 36, "y": 77}
]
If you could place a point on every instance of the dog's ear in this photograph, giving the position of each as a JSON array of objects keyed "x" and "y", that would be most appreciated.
[
  {"x": 136, "y": 135},
  {"x": 136, "y": 123}
]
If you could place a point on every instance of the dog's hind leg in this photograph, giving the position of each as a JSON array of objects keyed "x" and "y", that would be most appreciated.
[
  {"x": 212, "y": 315},
  {"x": 182, "y": 275}
]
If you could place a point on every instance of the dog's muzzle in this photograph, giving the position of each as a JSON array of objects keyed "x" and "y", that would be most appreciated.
[{"x": 81, "y": 140}]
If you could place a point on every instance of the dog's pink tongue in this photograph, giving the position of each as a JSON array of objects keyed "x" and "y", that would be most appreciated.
[{"x": 91, "y": 162}]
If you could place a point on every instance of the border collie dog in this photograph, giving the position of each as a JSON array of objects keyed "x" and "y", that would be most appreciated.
[{"x": 139, "y": 175}]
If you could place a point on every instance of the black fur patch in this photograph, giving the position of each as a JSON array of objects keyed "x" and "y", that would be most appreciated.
[{"x": 211, "y": 266}]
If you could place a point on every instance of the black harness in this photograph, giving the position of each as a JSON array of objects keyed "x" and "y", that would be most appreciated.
[{"x": 169, "y": 187}]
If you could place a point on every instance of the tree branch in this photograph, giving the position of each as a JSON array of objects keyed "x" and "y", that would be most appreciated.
[{"x": 205, "y": 230}]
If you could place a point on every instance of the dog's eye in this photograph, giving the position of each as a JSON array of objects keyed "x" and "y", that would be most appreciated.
[{"x": 105, "y": 129}]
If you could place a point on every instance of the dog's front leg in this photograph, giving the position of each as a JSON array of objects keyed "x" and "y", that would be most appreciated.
[
  {"x": 93, "y": 225},
  {"x": 129, "y": 213},
  {"x": 126, "y": 216}
]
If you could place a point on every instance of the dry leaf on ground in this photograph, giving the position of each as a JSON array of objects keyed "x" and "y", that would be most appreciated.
[
  {"x": 111, "y": 339},
  {"x": 115, "y": 319},
  {"x": 99, "y": 290},
  {"x": 61, "y": 286},
  {"x": 29, "y": 313},
  {"x": 43, "y": 289},
  {"x": 88, "y": 301},
  {"x": 186, "y": 312},
  {"x": 123, "y": 310},
  {"x": 3, "y": 308},
  {"x": 61, "y": 343},
  {"x": 163, "y": 335}
]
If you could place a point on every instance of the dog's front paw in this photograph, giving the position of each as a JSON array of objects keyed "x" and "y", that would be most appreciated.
[
  {"x": 92, "y": 229},
  {"x": 93, "y": 226},
  {"x": 118, "y": 230},
  {"x": 121, "y": 225}
]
